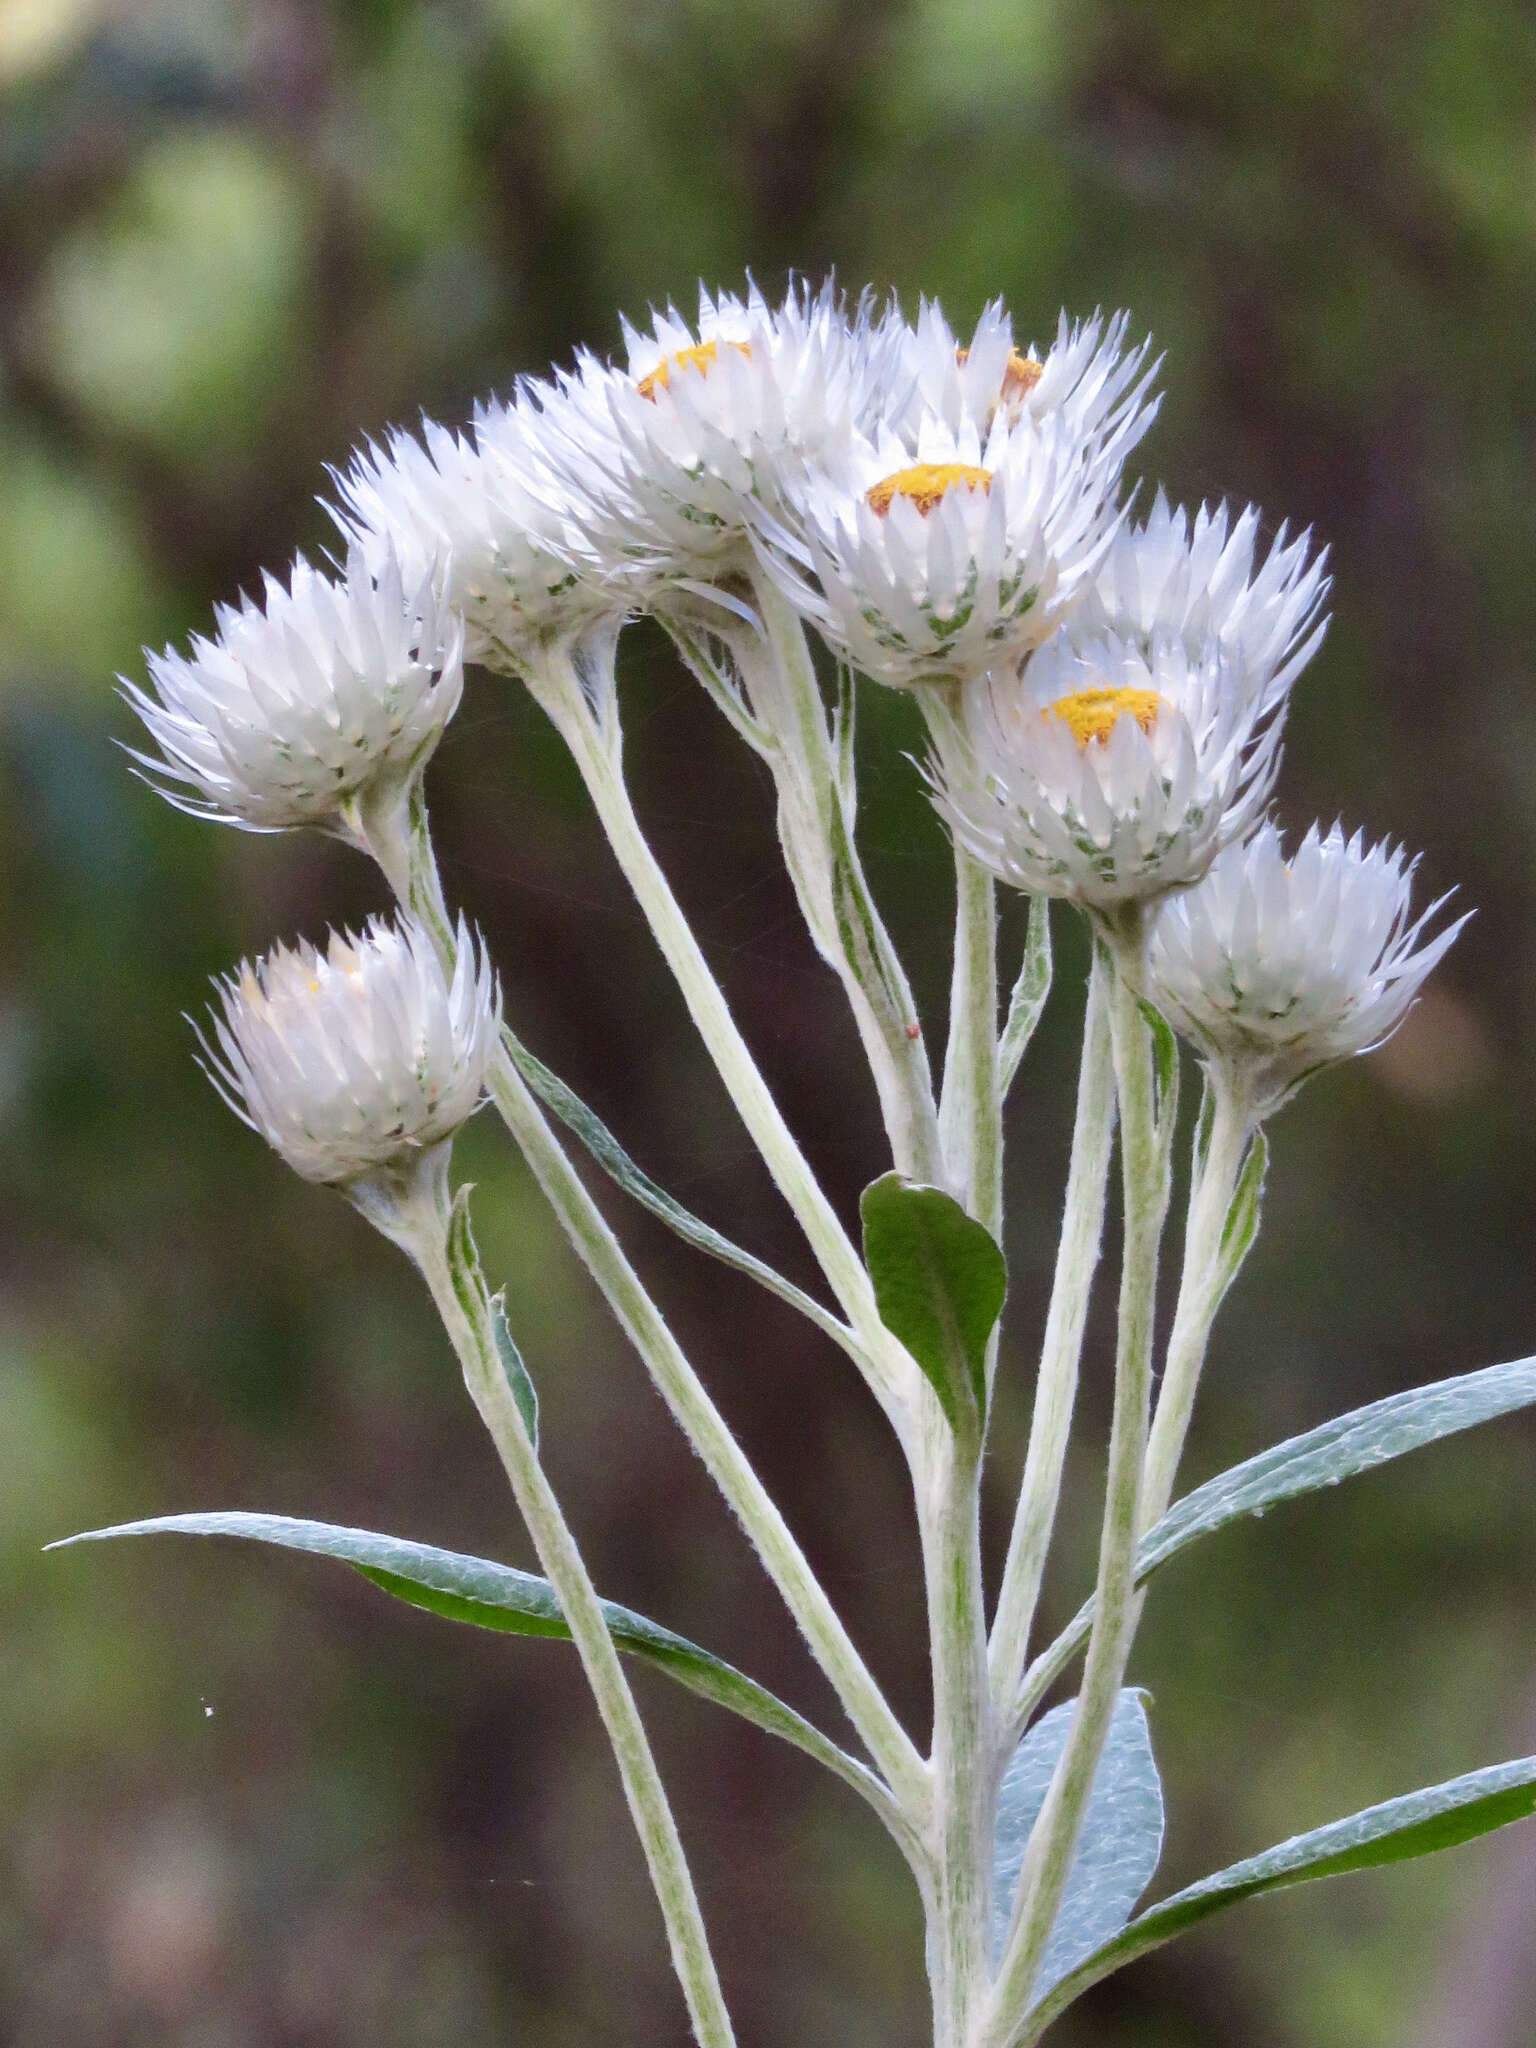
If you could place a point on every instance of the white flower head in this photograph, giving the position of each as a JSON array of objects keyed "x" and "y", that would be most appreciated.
[
  {"x": 358, "y": 1057},
  {"x": 1106, "y": 774},
  {"x": 671, "y": 459},
  {"x": 483, "y": 521},
  {"x": 324, "y": 693},
  {"x": 938, "y": 569},
  {"x": 1278, "y": 967},
  {"x": 1199, "y": 581},
  {"x": 1099, "y": 388}
]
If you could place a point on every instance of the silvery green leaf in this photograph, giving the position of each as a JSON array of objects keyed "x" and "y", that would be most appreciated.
[
  {"x": 616, "y": 1162},
  {"x": 939, "y": 1282},
  {"x": 497, "y": 1596},
  {"x": 524, "y": 1392},
  {"x": 1027, "y": 1003},
  {"x": 1356, "y": 1442},
  {"x": 1415, "y": 1825},
  {"x": 1242, "y": 1223},
  {"x": 1117, "y": 1851},
  {"x": 1165, "y": 1059}
]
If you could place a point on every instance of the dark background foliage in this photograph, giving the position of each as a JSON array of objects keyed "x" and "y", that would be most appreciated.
[{"x": 249, "y": 1801}]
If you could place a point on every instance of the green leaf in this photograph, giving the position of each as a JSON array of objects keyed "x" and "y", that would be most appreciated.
[
  {"x": 524, "y": 1392},
  {"x": 616, "y": 1162},
  {"x": 1416, "y": 1825},
  {"x": 1353, "y": 1443},
  {"x": 1119, "y": 1846},
  {"x": 1030, "y": 991},
  {"x": 1165, "y": 1056},
  {"x": 939, "y": 1282},
  {"x": 473, "y": 1589},
  {"x": 1242, "y": 1224}
]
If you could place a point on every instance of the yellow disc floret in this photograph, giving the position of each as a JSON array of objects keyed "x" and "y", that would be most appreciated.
[
  {"x": 702, "y": 358},
  {"x": 1020, "y": 378},
  {"x": 925, "y": 484},
  {"x": 1091, "y": 715},
  {"x": 1020, "y": 375}
]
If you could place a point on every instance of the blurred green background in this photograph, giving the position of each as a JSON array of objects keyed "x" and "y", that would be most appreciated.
[{"x": 246, "y": 1799}]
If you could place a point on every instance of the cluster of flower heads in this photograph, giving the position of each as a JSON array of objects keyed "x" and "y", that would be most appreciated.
[{"x": 951, "y": 514}]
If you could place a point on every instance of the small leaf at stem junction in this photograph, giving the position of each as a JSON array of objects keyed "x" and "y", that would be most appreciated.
[
  {"x": 939, "y": 1282},
  {"x": 1119, "y": 1846},
  {"x": 524, "y": 1393}
]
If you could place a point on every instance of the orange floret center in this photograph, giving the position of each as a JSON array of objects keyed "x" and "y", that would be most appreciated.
[
  {"x": 702, "y": 357},
  {"x": 925, "y": 484},
  {"x": 1020, "y": 376},
  {"x": 1092, "y": 714}
]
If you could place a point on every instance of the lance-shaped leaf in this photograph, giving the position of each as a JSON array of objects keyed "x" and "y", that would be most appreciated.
[
  {"x": 497, "y": 1596},
  {"x": 524, "y": 1393},
  {"x": 616, "y": 1162},
  {"x": 1242, "y": 1222},
  {"x": 1117, "y": 1851},
  {"x": 1353, "y": 1443},
  {"x": 1027, "y": 1003},
  {"x": 1416, "y": 1825},
  {"x": 939, "y": 1282}
]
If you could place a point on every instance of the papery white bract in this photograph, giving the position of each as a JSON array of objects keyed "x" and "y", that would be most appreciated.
[
  {"x": 1195, "y": 581},
  {"x": 356, "y": 1057},
  {"x": 670, "y": 460},
  {"x": 1098, "y": 387},
  {"x": 306, "y": 701},
  {"x": 483, "y": 521},
  {"x": 936, "y": 569},
  {"x": 1278, "y": 967},
  {"x": 1106, "y": 774}
]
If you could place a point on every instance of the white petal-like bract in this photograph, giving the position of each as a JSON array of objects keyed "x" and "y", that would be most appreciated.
[
  {"x": 483, "y": 521},
  {"x": 1198, "y": 581},
  {"x": 358, "y": 1056},
  {"x": 298, "y": 704},
  {"x": 1106, "y": 774},
  {"x": 1282, "y": 966}
]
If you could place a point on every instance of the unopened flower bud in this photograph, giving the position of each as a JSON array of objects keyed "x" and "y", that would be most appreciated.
[
  {"x": 358, "y": 1058},
  {"x": 1276, "y": 968}
]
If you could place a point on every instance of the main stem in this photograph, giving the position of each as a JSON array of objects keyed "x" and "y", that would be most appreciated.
[
  {"x": 970, "y": 1114},
  {"x": 1200, "y": 1290},
  {"x": 960, "y": 1907},
  {"x": 1077, "y": 1260},
  {"x": 413, "y": 870},
  {"x": 1053, "y": 1842},
  {"x": 467, "y": 1315}
]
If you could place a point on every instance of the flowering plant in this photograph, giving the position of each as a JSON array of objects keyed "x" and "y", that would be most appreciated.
[{"x": 1105, "y": 702}]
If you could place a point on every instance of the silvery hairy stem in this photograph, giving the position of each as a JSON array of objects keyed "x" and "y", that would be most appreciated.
[
  {"x": 970, "y": 1112},
  {"x": 1048, "y": 1859},
  {"x": 1201, "y": 1285},
  {"x": 784, "y": 718},
  {"x": 596, "y": 745},
  {"x": 444, "y": 1252},
  {"x": 947, "y": 1481},
  {"x": 902, "y": 1799},
  {"x": 1077, "y": 1260}
]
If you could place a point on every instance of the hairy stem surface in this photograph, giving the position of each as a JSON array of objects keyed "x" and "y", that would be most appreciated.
[
  {"x": 1200, "y": 1291},
  {"x": 466, "y": 1311},
  {"x": 1077, "y": 1260},
  {"x": 1048, "y": 1859}
]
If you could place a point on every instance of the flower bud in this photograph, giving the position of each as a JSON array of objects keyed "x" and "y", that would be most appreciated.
[
  {"x": 1276, "y": 968},
  {"x": 359, "y": 1058}
]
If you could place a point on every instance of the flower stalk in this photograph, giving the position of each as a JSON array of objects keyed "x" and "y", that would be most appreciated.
[{"x": 450, "y": 1265}]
